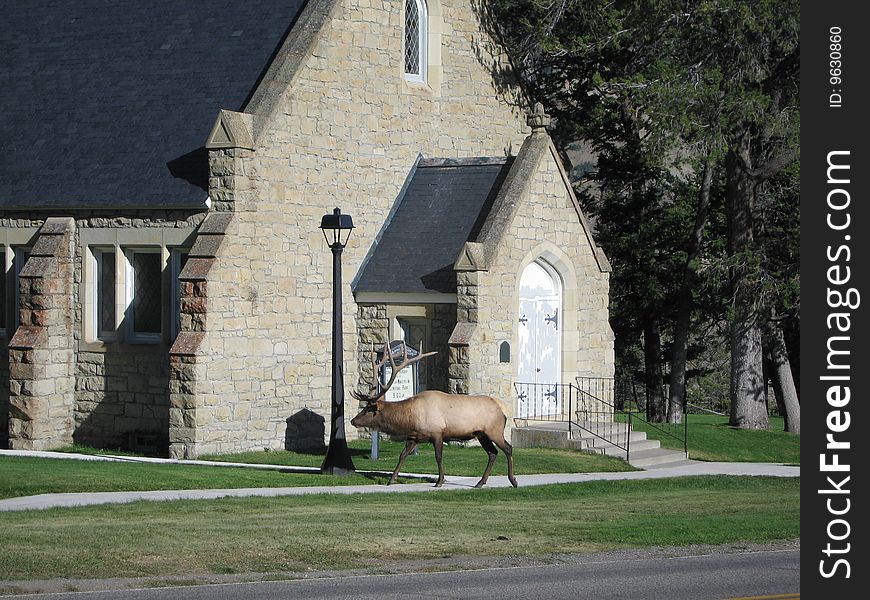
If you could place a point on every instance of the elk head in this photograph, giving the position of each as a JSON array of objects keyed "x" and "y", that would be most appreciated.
[{"x": 368, "y": 416}]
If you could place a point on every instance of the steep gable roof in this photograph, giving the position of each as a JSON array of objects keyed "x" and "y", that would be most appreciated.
[
  {"x": 443, "y": 205},
  {"x": 107, "y": 104}
]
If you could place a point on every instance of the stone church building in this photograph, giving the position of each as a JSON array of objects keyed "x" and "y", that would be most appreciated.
[{"x": 165, "y": 168}]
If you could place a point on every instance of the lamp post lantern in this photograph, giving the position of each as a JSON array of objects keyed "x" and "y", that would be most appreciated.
[{"x": 336, "y": 229}]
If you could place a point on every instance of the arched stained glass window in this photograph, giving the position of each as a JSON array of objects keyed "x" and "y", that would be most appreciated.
[{"x": 415, "y": 40}]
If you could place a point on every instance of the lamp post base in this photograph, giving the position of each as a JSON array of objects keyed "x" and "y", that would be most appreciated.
[{"x": 337, "y": 461}]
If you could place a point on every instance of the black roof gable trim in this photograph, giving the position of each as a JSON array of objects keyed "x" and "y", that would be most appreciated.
[{"x": 462, "y": 162}]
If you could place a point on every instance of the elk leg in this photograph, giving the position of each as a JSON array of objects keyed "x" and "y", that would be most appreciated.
[
  {"x": 508, "y": 451},
  {"x": 409, "y": 447},
  {"x": 439, "y": 448},
  {"x": 491, "y": 453}
]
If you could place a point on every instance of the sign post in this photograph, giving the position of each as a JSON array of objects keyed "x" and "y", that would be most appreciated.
[{"x": 404, "y": 386}]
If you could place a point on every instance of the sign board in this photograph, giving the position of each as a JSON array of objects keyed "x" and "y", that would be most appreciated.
[{"x": 403, "y": 387}]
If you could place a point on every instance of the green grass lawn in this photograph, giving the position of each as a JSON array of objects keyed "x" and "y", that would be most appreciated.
[
  {"x": 458, "y": 460},
  {"x": 243, "y": 535},
  {"x": 711, "y": 438},
  {"x": 21, "y": 476},
  {"x": 24, "y": 476}
]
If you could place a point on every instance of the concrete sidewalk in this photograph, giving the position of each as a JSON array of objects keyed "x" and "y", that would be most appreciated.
[{"x": 43, "y": 501}]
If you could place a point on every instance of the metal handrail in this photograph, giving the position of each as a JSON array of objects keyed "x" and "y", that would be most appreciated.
[
  {"x": 529, "y": 394},
  {"x": 684, "y": 434},
  {"x": 657, "y": 426},
  {"x": 611, "y": 439},
  {"x": 549, "y": 406}
]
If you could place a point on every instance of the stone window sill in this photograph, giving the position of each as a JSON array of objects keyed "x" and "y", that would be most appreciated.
[{"x": 115, "y": 345}]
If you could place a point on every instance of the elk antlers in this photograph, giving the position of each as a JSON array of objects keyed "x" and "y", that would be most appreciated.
[{"x": 387, "y": 358}]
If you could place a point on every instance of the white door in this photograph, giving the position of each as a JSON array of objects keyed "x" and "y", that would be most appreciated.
[{"x": 540, "y": 348}]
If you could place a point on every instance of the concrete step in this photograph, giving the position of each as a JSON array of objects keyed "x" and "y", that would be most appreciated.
[
  {"x": 604, "y": 428},
  {"x": 635, "y": 436},
  {"x": 645, "y": 454},
  {"x": 545, "y": 437},
  {"x": 636, "y": 445},
  {"x": 645, "y": 459}
]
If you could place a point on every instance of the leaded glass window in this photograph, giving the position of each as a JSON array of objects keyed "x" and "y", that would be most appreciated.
[
  {"x": 415, "y": 40},
  {"x": 106, "y": 274},
  {"x": 145, "y": 304}
]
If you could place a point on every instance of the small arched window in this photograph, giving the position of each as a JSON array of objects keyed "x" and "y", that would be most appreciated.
[{"x": 416, "y": 21}]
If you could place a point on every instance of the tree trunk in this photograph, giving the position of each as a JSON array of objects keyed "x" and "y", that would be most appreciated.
[
  {"x": 748, "y": 405},
  {"x": 652, "y": 356},
  {"x": 677, "y": 388},
  {"x": 783, "y": 382}
]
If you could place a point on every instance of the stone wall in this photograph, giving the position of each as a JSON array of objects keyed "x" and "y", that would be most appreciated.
[
  {"x": 193, "y": 397},
  {"x": 373, "y": 326},
  {"x": 121, "y": 388},
  {"x": 118, "y": 391},
  {"x": 41, "y": 353},
  {"x": 16, "y": 230},
  {"x": 545, "y": 226},
  {"x": 4, "y": 393},
  {"x": 121, "y": 399},
  {"x": 346, "y": 135}
]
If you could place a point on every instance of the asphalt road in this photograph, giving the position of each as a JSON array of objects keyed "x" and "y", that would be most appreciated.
[{"x": 706, "y": 577}]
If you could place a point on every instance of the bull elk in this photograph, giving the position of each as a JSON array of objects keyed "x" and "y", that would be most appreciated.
[{"x": 433, "y": 416}]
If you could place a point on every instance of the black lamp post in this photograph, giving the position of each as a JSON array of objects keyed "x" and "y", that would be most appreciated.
[{"x": 336, "y": 229}]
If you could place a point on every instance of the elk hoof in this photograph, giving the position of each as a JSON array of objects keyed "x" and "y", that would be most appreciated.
[
  {"x": 391, "y": 481},
  {"x": 439, "y": 483},
  {"x": 480, "y": 484},
  {"x": 513, "y": 482}
]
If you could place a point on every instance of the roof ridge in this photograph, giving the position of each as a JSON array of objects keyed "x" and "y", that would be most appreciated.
[{"x": 471, "y": 161}]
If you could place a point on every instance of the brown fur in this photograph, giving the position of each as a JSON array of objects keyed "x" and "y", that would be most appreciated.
[{"x": 438, "y": 417}]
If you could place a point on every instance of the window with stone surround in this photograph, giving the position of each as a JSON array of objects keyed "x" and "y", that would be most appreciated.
[
  {"x": 130, "y": 284},
  {"x": 415, "y": 40},
  {"x": 15, "y": 244},
  {"x": 104, "y": 293},
  {"x": 124, "y": 294}
]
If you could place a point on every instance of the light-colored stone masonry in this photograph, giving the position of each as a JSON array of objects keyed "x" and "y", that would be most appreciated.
[
  {"x": 546, "y": 226},
  {"x": 251, "y": 366},
  {"x": 121, "y": 398},
  {"x": 41, "y": 353},
  {"x": 117, "y": 390},
  {"x": 346, "y": 135}
]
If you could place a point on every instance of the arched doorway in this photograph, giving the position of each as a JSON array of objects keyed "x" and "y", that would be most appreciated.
[{"x": 540, "y": 339}]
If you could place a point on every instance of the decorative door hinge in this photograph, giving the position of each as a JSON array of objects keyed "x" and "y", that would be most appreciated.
[{"x": 554, "y": 319}]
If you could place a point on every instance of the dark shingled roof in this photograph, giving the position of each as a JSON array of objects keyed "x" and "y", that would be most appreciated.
[
  {"x": 108, "y": 103},
  {"x": 443, "y": 206}
]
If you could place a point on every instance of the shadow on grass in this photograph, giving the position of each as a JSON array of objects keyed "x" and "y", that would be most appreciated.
[
  {"x": 374, "y": 476},
  {"x": 354, "y": 452}
]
